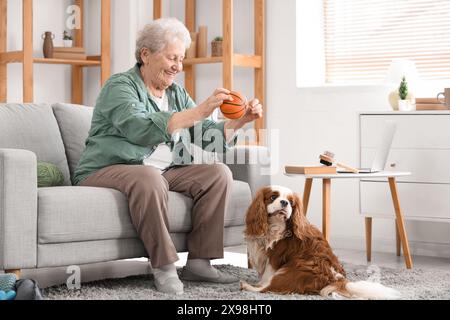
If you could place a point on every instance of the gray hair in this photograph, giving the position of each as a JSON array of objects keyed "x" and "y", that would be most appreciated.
[{"x": 159, "y": 33}]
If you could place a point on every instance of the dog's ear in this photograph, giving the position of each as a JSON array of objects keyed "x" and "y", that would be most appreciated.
[
  {"x": 256, "y": 223},
  {"x": 300, "y": 225}
]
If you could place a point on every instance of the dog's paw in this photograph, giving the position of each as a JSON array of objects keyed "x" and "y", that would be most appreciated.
[{"x": 242, "y": 285}]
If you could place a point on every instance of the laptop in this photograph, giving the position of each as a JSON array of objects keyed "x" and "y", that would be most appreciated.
[{"x": 382, "y": 152}]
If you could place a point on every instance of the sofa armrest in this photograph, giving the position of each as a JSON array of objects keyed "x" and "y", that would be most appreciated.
[
  {"x": 250, "y": 164},
  {"x": 18, "y": 209}
]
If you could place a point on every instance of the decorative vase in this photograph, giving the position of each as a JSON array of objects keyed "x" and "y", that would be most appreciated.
[
  {"x": 48, "y": 44},
  {"x": 67, "y": 43},
  {"x": 394, "y": 99},
  {"x": 216, "y": 48},
  {"x": 47, "y": 48},
  {"x": 404, "y": 105}
]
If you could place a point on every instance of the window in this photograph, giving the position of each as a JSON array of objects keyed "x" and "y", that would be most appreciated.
[{"x": 362, "y": 37}]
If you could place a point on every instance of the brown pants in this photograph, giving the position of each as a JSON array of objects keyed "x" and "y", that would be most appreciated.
[{"x": 147, "y": 192}]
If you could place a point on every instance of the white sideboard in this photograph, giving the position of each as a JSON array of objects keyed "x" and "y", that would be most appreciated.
[{"x": 421, "y": 146}]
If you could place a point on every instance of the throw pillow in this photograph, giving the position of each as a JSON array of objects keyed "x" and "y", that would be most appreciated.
[{"x": 48, "y": 175}]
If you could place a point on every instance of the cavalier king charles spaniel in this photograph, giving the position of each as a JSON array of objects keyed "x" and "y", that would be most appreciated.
[{"x": 292, "y": 256}]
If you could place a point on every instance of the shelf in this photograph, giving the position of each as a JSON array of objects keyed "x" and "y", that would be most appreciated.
[
  {"x": 86, "y": 63},
  {"x": 251, "y": 61},
  {"x": 25, "y": 56},
  {"x": 17, "y": 57},
  {"x": 11, "y": 57},
  {"x": 192, "y": 61},
  {"x": 240, "y": 60}
]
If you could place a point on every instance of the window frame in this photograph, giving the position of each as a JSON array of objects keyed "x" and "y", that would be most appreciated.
[{"x": 312, "y": 73}]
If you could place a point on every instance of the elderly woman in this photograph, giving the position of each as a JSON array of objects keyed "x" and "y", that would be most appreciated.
[{"x": 136, "y": 118}]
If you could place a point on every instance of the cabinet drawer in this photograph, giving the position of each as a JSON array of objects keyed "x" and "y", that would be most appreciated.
[
  {"x": 413, "y": 131},
  {"x": 417, "y": 201},
  {"x": 425, "y": 165}
]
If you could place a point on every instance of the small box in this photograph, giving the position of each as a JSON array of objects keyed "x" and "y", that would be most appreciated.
[
  {"x": 70, "y": 53},
  {"x": 69, "y": 56},
  {"x": 69, "y": 50}
]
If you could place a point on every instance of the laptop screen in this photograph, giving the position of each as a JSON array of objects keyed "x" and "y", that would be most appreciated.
[{"x": 382, "y": 153}]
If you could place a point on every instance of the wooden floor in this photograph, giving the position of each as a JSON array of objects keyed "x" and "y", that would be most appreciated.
[{"x": 235, "y": 255}]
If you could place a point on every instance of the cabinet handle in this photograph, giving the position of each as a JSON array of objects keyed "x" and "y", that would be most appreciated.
[{"x": 393, "y": 165}]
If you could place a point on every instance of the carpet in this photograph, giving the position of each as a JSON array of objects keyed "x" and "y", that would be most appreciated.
[{"x": 413, "y": 284}]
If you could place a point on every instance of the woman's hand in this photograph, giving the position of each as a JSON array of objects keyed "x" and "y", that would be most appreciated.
[
  {"x": 253, "y": 111},
  {"x": 214, "y": 101},
  {"x": 188, "y": 118}
]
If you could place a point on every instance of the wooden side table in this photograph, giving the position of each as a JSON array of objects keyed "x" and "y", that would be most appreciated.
[{"x": 326, "y": 195}]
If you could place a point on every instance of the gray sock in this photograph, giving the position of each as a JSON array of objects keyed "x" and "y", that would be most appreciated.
[
  {"x": 202, "y": 267},
  {"x": 166, "y": 279}
]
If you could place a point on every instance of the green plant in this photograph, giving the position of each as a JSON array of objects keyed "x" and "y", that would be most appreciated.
[
  {"x": 218, "y": 39},
  {"x": 66, "y": 35},
  {"x": 403, "y": 89}
]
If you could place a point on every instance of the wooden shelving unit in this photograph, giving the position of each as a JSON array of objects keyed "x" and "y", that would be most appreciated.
[
  {"x": 85, "y": 63},
  {"x": 26, "y": 55},
  {"x": 230, "y": 59}
]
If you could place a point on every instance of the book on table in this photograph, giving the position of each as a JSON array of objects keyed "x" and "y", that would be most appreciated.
[
  {"x": 430, "y": 104},
  {"x": 310, "y": 169}
]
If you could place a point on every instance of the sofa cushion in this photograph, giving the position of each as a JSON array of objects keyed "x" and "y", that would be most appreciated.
[
  {"x": 76, "y": 253},
  {"x": 67, "y": 214},
  {"x": 74, "y": 123},
  {"x": 239, "y": 202},
  {"x": 33, "y": 127}
]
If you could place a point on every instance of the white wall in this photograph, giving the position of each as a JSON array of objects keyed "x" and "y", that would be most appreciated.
[
  {"x": 312, "y": 120},
  {"x": 124, "y": 25},
  {"x": 52, "y": 83}
]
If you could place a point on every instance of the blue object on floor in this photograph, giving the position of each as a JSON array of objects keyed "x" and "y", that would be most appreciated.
[
  {"x": 10, "y": 295},
  {"x": 7, "y": 281}
]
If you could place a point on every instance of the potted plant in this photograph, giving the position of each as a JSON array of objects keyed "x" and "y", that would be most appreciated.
[
  {"x": 404, "y": 104},
  {"x": 67, "y": 39},
  {"x": 216, "y": 47}
]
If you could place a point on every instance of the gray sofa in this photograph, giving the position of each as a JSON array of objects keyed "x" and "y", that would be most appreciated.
[{"x": 59, "y": 226}]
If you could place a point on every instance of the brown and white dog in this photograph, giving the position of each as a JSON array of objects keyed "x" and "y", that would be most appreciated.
[{"x": 292, "y": 256}]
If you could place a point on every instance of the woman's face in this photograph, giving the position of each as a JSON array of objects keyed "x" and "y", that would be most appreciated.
[{"x": 163, "y": 66}]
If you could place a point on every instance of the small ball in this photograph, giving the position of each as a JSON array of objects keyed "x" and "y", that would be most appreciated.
[{"x": 234, "y": 109}]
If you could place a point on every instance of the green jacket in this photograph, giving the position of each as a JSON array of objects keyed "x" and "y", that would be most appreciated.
[{"x": 127, "y": 125}]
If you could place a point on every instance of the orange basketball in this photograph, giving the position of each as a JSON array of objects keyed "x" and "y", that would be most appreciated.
[{"x": 234, "y": 109}]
